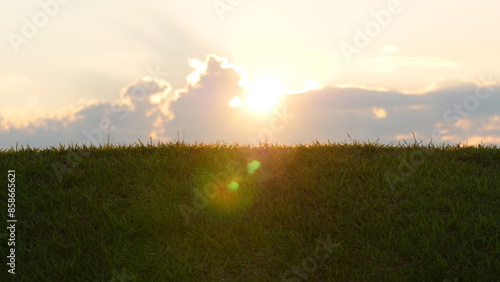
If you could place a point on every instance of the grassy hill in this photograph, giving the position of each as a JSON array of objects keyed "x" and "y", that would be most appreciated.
[{"x": 321, "y": 212}]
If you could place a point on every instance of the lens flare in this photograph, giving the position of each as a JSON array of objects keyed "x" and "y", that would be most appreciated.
[
  {"x": 233, "y": 186},
  {"x": 253, "y": 166}
]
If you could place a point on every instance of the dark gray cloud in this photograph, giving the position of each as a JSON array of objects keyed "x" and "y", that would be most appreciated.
[{"x": 334, "y": 112}]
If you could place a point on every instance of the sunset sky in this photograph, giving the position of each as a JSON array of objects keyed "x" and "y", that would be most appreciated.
[{"x": 249, "y": 71}]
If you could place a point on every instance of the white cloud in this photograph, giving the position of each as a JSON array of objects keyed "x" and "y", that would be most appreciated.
[
  {"x": 411, "y": 137},
  {"x": 492, "y": 125},
  {"x": 379, "y": 113},
  {"x": 483, "y": 139},
  {"x": 389, "y": 63},
  {"x": 473, "y": 140},
  {"x": 390, "y": 49}
]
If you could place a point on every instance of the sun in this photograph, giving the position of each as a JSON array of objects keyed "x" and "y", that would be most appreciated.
[{"x": 263, "y": 94}]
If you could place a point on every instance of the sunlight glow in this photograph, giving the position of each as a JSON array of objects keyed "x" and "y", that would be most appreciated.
[
  {"x": 263, "y": 94},
  {"x": 236, "y": 102},
  {"x": 309, "y": 84}
]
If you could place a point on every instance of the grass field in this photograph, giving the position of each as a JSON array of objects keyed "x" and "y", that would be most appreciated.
[{"x": 320, "y": 212}]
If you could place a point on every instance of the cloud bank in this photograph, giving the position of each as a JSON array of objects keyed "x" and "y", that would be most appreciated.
[{"x": 200, "y": 112}]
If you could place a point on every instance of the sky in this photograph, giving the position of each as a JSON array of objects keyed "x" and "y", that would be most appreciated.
[{"x": 249, "y": 71}]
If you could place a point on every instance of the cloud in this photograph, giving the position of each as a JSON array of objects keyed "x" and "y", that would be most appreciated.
[
  {"x": 379, "y": 112},
  {"x": 481, "y": 139},
  {"x": 491, "y": 125},
  {"x": 201, "y": 111},
  {"x": 146, "y": 108},
  {"x": 389, "y": 63},
  {"x": 141, "y": 111},
  {"x": 391, "y": 60},
  {"x": 444, "y": 115},
  {"x": 390, "y": 49}
]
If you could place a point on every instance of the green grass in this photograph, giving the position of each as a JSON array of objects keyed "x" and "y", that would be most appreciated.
[{"x": 321, "y": 212}]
